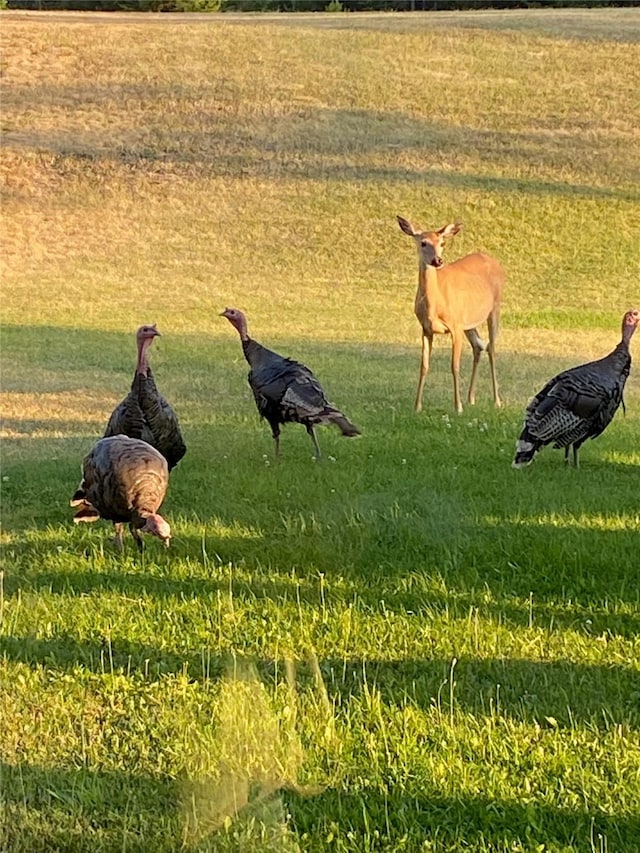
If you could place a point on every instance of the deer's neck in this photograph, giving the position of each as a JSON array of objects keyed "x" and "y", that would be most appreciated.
[{"x": 429, "y": 299}]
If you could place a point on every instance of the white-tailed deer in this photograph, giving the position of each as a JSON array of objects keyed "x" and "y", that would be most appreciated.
[{"x": 455, "y": 298}]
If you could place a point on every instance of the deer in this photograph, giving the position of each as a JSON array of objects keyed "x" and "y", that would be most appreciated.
[{"x": 455, "y": 299}]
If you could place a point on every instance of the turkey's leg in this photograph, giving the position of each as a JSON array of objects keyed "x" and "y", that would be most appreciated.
[
  {"x": 117, "y": 539},
  {"x": 575, "y": 449},
  {"x": 275, "y": 432},
  {"x": 137, "y": 536},
  {"x": 312, "y": 433}
]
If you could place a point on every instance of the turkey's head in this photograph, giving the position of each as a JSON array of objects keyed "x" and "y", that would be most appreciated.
[
  {"x": 147, "y": 333},
  {"x": 630, "y": 323},
  {"x": 237, "y": 319},
  {"x": 157, "y": 526}
]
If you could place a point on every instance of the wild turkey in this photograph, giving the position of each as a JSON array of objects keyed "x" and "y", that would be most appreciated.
[
  {"x": 144, "y": 413},
  {"x": 579, "y": 403},
  {"x": 285, "y": 390},
  {"x": 124, "y": 480}
]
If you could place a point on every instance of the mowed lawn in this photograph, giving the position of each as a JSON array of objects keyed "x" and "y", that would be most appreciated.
[{"x": 408, "y": 646}]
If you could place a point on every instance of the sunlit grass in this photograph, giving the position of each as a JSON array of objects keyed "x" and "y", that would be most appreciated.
[{"x": 621, "y": 521}]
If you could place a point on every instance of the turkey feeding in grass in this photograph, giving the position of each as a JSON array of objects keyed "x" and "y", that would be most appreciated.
[
  {"x": 124, "y": 480},
  {"x": 144, "y": 413},
  {"x": 579, "y": 403},
  {"x": 285, "y": 390}
]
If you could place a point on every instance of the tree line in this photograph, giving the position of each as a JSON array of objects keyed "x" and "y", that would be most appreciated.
[{"x": 299, "y": 5}]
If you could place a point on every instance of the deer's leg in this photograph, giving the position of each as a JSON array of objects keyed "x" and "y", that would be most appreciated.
[
  {"x": 493, "y": 323},
  {"x": 427, "y": 343},
  {"x": 477, "y": 345},
  {"x": 456, "y": 352}
]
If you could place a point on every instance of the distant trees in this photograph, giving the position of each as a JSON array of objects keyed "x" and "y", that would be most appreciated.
[{"x": 298, "y": 5}]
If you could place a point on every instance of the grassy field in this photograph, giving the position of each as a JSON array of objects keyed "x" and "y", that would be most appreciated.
[{"x": 406, "y": 647}]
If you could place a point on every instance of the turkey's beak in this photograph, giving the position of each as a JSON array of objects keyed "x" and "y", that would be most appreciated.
[
  {"x": 156, "y": 333},
  {"x": 167, "y": 542}
]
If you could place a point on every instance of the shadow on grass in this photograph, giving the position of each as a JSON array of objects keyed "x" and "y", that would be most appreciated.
[
  {"x": 62, "y": 809},
  {"x": 207, "y": 373},
  {"x": 375, "y": 821},
  {"x": 553, "y": 694},
  {"x": 406, "y": 591},
  {"x": 51, "y": 808},
  {"x": 320, "y": 144},
  {"x": 417, "y": 505},
  {"x": 550, "y": 546},
  {"x": 565, "y": 693},
  {"x": 36, "y": 358}
]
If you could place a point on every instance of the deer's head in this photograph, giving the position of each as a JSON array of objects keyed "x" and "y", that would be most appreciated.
[{"x": 430, "y": 243}]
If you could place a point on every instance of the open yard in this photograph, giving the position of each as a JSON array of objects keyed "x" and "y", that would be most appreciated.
[{"x": 408, "y": 646}]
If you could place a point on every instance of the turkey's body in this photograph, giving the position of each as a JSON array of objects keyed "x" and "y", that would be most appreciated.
[
  {"x": 124, "y": 479},
  {"x": 128, "y": 416},
  {"x": 285, "y": 390},
  {"x": 145, "y": 414},
  {"x": 577, "y": 404}
]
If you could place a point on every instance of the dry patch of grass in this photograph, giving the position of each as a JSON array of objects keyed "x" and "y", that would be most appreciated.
[
  {"x": 24, "y": 412},
  {"x": 277, "y": 165}
]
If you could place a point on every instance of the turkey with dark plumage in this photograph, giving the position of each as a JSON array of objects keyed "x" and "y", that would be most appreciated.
[
  {"x": 286, "y": 391},
  {"x": 124, "y": 480},
  {"x": 579, "y": 403},
  {"x": 144, "y": 413}
]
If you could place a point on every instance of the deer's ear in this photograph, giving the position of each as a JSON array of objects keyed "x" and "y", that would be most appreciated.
[
  {"x": 450, "y": 230},
  {"x": 405, "y": 226}
]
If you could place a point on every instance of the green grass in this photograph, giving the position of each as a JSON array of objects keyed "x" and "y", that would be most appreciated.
[{"x": 409, "y": 646}]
